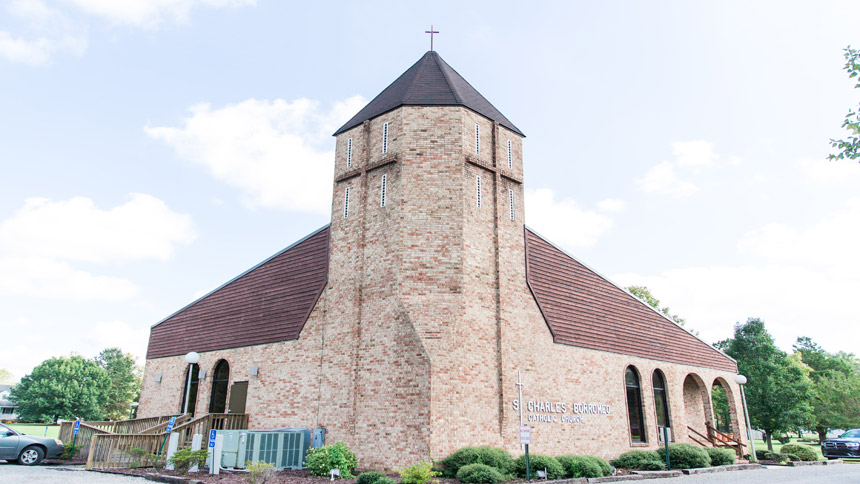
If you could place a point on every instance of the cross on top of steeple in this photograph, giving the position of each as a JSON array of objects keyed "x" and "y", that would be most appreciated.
[{"x": 431, "y": 32}]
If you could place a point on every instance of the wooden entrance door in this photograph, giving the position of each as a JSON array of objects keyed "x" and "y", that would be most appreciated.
[{"x": 238, "y": 396}]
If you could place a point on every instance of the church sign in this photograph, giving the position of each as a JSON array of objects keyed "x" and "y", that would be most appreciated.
[{"x": 560, "y": 412}]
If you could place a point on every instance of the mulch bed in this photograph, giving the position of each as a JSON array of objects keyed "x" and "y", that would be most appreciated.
[{"x": 231, "y": 477}]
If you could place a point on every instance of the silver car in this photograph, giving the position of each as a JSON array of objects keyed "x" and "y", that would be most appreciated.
[{"x": 28, "y": 450}]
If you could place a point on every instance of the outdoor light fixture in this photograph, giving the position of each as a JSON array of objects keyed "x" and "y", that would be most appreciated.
[
  {"x": 158, "y": 378},
  {"x": 255, "y": 371},
  {"x": 201, "y": 375},
  {"x": 742, "y": 380},
  {"x": 192, "y": 359}
]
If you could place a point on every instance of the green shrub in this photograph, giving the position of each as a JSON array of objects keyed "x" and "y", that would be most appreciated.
[
  {"x": 369, "y": 477},
  {"x": 138, "y": 457},
  {"x": 791, "y": 457},
  {"x": 801, "y": 451},
  {"x": 643, "y": 460},
  {"x": 333, "y": 456},
  {"x": 498, "y": 458},
  {"x": 538, "y": 462},
  {"x": 605, "y": 469},
  {"x": 720, "y": 457},
  {"x": 386, "y": 480},
  {"x": 184, "y": 459},
  {"x": 479, "y": 474},
  {"x": 259, "y": 472},
  {"x": 576, "y": 466},
  {"x": 420, "y": 473},
  {"x": 70, "y": 450},
  {"x": 783, "y": 439},
  {"x": 686, "y": 456}
]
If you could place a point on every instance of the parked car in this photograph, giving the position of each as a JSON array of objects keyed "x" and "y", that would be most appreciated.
[
  {"x": 27, "y": 450},
  {"x": 846, "y": 445}
]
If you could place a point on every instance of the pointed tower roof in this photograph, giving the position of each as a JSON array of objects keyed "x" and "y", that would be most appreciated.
[{"x": 429, "y": 82}]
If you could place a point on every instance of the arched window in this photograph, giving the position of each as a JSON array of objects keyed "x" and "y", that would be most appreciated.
[
  {"x": 634, "y": 405},
  {"x": 220, "y": 382},
  {"x": 661, "y": 400},
  {"x": 190, "y": 392}
]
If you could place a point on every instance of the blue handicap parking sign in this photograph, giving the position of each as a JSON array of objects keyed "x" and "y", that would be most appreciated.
[
  {"x": 77, "y": 426},
  {"x": 212, "y": 434},
  {"x": 170, "y": 424}
]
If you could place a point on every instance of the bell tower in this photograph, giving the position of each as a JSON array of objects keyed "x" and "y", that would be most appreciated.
[{"x": 427, "y": 212}]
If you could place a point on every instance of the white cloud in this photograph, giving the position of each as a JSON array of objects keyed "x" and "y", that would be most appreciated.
[
  {"x": 829, "y": 172},
  {"x": 611, "y": 205},
  {"x": 564, "y": 222},
  {"x": 149, "y": 13},
  {"x": 831, "y": 244},
  {"x": 76, "y": 229},
  {"x": 277, "y": 152},
  {"x": 51, "y": 279},
  {"x": 663, "y": 179},
  {"x": 119, "y": 334},
  {"x": 697, "y": 153},
  {"x": 40, "y": 239},
  {"x": 798, "y": 281},
  {"x": 48, "y": 32}
]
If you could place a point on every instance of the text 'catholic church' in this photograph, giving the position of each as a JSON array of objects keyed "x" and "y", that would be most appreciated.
[{"x": 404, "y": 326}]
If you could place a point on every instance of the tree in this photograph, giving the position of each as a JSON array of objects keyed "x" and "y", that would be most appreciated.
[
  {"x": 850, "y": 146},
  {"x": 779, "y": 391},
  {"x": 64, "y": 387},
  {"x": 6, "y": 377},
  {"x": 644, "y": 295},
  {"x": 125, "y": 381},
  {"x": 836, "y": 387}
]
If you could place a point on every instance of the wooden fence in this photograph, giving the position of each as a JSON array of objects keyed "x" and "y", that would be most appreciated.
[
  {"x": 135, "y": 426},
  {"x": 85, "y": 435},
  {"x": 115, "y": 450}
]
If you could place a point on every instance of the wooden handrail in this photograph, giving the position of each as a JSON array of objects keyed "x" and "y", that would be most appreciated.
[{"x": 720, "y": 439}]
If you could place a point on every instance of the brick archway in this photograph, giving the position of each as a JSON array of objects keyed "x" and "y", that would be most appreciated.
[
  {"x": 733, "y": 422},
  {"x": 697, "y": 405}
]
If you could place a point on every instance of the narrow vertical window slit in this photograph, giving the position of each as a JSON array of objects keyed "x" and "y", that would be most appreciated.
[
  {"x": 385, "y": 138},
  {"x": 511, "y": 201},
  {"x": 478, "y": 188},
  {"x": 346, "y": 203},
  {"x": 477, "y": 139},
  {"x": 349, "y": 153},
  {"x": 382, "y": 191},
  {"x": 510, "y": 156}
]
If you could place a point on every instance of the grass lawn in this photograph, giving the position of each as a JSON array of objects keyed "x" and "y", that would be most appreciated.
[
  {"x": 761, "y": 445},
  {"x": 37, "y": 429}
]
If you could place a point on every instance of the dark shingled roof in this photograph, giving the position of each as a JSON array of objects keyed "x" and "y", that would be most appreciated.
[{"x": 429, "y": 82}]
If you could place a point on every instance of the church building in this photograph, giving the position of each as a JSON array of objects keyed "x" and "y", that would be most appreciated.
[{"x": 427, "y": 316}]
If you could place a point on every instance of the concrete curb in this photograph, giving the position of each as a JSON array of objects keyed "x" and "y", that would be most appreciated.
[
  {"x": 729, "y": 468},
  {"x": 151, "y": 476},
  {"x": 815, "y": 463},
  {"x": 657, "y": 474}
]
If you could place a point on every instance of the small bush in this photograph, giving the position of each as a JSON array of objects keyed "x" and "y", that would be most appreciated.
[
  {"x": 498, "y": 458},
  {"x": 369, "y": 477},
  {"x": 70, "y": 450},
  {"x": 720, "y": 457},
  {"x": 605, "y": 469},
  {"x": 783, "y": 439},
  {"x": 386, "y": 480},
  {"x": 333, "y": 456},
  {"x": 643, "y": 460},
  {"x": 791, "y": 457},
  {"x": 259, "y": 472},
  {"x": 420, "y": 473},
  {"x": 138, "y": 457},
  {"x": 576, "y": 466},
  {"x": 686, "y": 456},
  {"x": 801, "y": 451},
  {"x": 184, "y": 459},
  {"x": 479, "y": 474},
  {"x": 538, "y": 462}
]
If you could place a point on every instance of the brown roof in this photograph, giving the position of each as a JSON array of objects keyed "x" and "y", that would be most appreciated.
[
  {"x": 429, "y": 82},
  {"x": 268, "y": 303},
  {"x": 584, "y": 309}
]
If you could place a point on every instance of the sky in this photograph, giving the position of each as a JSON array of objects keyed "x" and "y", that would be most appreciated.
[{"x": 151, "y": 150}]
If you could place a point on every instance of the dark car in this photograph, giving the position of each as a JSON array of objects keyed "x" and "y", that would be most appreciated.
[
  {"x": 28, "y": 450},
  {"x": 846, "y": 445}
]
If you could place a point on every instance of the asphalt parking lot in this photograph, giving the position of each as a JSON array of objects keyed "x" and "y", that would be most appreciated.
[{"x": 837, "y": 474}]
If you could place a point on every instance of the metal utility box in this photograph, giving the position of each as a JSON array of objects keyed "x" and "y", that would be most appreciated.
[
  {"x": 319, "y": 438},
  {"x": 285, "y": 448}
]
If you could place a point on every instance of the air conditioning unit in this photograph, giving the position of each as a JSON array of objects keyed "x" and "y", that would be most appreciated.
[{"x": 285, "y": 448}]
